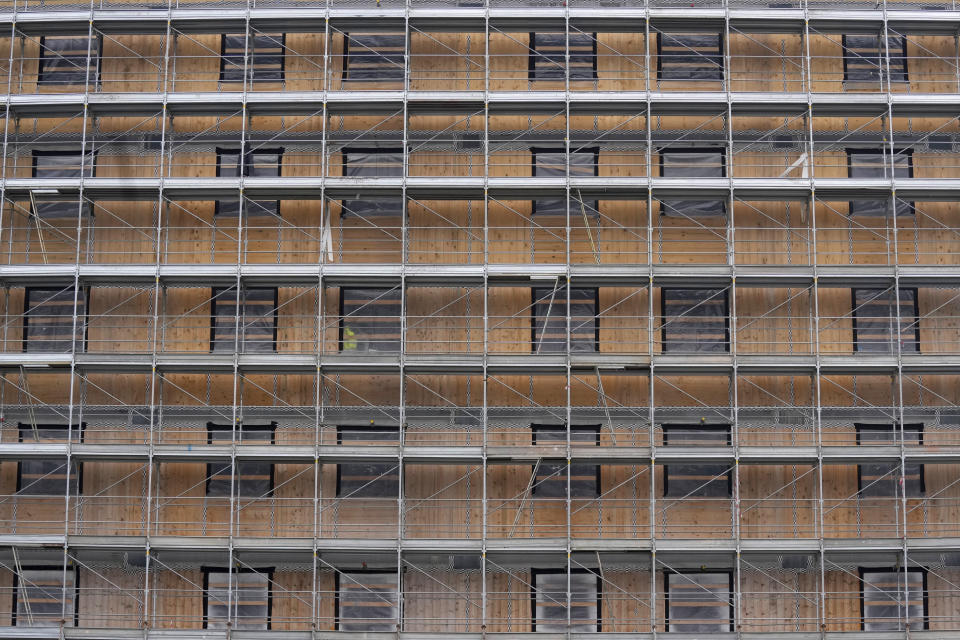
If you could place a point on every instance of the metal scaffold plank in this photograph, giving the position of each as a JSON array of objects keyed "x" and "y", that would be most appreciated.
[{"x": 498, "y": 102}]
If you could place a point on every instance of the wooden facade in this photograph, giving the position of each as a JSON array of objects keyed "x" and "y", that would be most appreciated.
[{"x": 792, "y": 500}]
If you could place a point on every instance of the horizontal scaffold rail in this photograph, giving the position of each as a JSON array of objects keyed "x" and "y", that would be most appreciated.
[
  {"x": 335, "y": 454},
  {"x": 458, "y": 275},
  {"x": 496, "y": 102},
  {"x": 520, "y": 547},
  {"x": 519, "y": 188},
  {"x": 506, "y": 364},
  {"x": 218, "y": 19}
]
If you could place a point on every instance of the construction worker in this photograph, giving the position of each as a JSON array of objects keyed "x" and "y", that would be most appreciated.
[{"x": 349, "y": 339}]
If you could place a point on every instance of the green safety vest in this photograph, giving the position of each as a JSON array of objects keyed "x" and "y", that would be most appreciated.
[{"x": 349, "y": 339}]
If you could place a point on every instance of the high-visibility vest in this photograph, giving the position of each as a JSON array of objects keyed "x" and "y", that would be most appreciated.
[{"x": 349, "y": 339}]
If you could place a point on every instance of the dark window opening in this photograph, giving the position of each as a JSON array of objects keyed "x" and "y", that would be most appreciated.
[
  {"x": 256, "y": 163},
  {"x": 878, "y": 325},
  {"x": 702, "y": 480},
  {"x": 240, "y": 600},
  {"x": 45, "y": 596},
  {"x": 262, "y": 57},
  {"x": 372, "y": 163},
  {"x": 864, "y": 58},
  {"x": 69, "y": 60},
  {"x": 549, "y": 333},
  {"x": 890, "y": 596},
  {"x": 49, "y": 477},
  {"x": 370, "y": 319},
  {"x": 374, "y": 57},
  {"x": 253, "y": 479},
  {"x": 689, "y": 56},
  {"x": 368, "y": 600},
  {"x": 552, "y": 163},
  {"x": 550, "y": 606},
  {"x": 61, "y": 164},
  {"x": 254, "y": 315},
  {"x": 551, "y": 478},
  {"x": 880, "y": 480},
  {"x": 699, "y": 602},
  {"x": 547, "y": 59},
  {"x": 48, "y": 322},
  {"x": 865, "y": 163},
  {"x": 693, "y": 163},
  {"x": 695, "y": 320},
  {"x": 368, "y": 479}
]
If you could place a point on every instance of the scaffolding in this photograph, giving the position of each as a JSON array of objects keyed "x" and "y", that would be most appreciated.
[{"x": 392, "y": 318}]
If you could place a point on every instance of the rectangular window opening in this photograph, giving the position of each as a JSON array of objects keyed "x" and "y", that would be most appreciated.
[
  {"x": 257, "y": 320},
  {"x": 256, "y": 163},
  {"x": 689, "y": 56},
  {"x": 374, "y": 57},
  {"x": 262, "y": 57},
  {"x": 865, "y": 58},
  {"x": 368, "y": 479},
  {"x": 376, "y": 162},
  {"x": 547, "y": 60},
  {"x": 881, "y": 479},
  {"x": 49, "y": 477},
  {"x": 370, "y": 319},
  {"x": 368, "y": 600},
  {"x": 552, "y": 163},
  {"x": 891, "y": 596},
  {"x": 549, "y": 595},
  {"x": 45, "y": 595},
  {"x": 61, "y": 163},
  {"x": 549, "y": 333},
  {"x": 695, "y": 320},
  {"x": 254, "y": 479},
  {"x": 48, "y": 323},
  {"x": 693, "y": 163},
  {"x": 239, "y": 601},
  {"x": 697, "y": 480},
  {"x": 876, "y": 163},
  {"x": 64, "y": 61},
  {"x": 699, "y": 602},
  {"x": 876, "y": 320},
  {"x": 551, "y": 478}
]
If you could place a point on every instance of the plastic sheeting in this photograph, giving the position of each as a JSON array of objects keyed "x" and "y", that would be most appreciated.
[
  {"x": 699, "y": 602},
  {"x": 249, "y": 600},
  {"x": 551, "y": 601},
  {"x": 373, "y": 317},
  {"x": 368, "y": 601},
  {"x": 40, "y": 596},
  {"x": 885, "y": 600},
  {"x": 551, "y": 480},
  {"x": 548, "y": 56},
  {"x": 258, "y": 320},
  {"x": 865, "y": 58},
  {"x": 692, "y": 164},
  {"x": 253, "y": 479},
  {"x": 876, "y": 164},
  {"x": 368, "y": 479},
  {"x": 376, "y": 57},
  {"x": 696, "y": 480},
  {"x": 265, "y": 58},
  {"x": 691, "y": 56},
  {"x": 880, "y": 480},
  {"x": 553, "y": 163},
  {"x": 63, "y": 60},
  {"x": 875, "y": 320},
  {"x": 48, "y": 320},
  {"x": 695, "y": 320},
  {"x": 550, "y": 320}
]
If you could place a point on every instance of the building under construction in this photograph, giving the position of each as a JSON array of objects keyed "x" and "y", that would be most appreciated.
[{"x": 479, "y": 317}]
